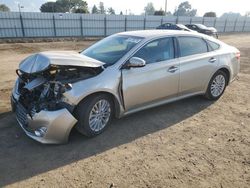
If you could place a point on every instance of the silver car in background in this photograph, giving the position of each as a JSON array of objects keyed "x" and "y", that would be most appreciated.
[{"x": 117, "y": 76}]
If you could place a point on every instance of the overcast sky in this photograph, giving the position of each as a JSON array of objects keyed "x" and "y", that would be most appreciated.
[{"x": 137, "y": 6}]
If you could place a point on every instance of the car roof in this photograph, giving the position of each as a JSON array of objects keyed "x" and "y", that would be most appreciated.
[
  {"x": 158, "y": 33},
  {"x": 149, "y": 34}
]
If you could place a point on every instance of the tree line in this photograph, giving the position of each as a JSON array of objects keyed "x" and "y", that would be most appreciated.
[
  {"x": 75, "y": 6},
  {"x": 81, "y": 6}
]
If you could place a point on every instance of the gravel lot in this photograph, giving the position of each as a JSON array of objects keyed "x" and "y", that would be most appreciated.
[{"x": 190, "y": 143}]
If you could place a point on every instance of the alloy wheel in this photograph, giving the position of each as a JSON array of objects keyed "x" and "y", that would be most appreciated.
[
  {"x": 218, "y": 85},
  {"x": 99, "y": 115}
]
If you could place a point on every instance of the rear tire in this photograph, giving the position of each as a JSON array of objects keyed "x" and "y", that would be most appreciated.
[
  {"x": 217, "y": 85},
  {"x": 94, "y": 114}
]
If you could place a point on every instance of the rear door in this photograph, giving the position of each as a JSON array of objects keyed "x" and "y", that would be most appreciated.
[
  {"x": 197, "y": 64},
  {"x": 157, "y": 80}
]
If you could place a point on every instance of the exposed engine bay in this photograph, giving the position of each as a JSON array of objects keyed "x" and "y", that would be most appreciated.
[{"x": 44, "y": 90}]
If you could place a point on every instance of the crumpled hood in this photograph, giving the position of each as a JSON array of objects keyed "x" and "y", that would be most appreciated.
[{"x": 42, "y": 61}]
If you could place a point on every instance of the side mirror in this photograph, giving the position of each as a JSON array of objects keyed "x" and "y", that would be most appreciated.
[{"x": 135, "y": 62}]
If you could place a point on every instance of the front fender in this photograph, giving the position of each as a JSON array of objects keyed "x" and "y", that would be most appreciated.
[{"x": 103, "y": 82}]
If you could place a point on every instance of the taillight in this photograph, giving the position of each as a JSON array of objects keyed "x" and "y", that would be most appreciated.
[{"x": 238, "y": 55}]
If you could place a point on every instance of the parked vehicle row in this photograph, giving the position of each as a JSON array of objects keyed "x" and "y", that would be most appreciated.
[
  {"x": 211, "y": 31},
  {"x": 117, "y": 76},
  {"x": 171, "y": 26}
]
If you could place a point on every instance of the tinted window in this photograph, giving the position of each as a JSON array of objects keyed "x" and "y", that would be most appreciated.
[
  {"x": 201, "y": 26},
  {"x": 192, "y": 27},
  {"x": 212, "y": 45},
  {"x": 157, "y": 50},
  {"x": 111, "y": 49},
  {"x": 191, "y": 46}
]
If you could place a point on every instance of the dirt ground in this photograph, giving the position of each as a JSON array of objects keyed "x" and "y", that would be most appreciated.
[{"x": 190, "y": 143}]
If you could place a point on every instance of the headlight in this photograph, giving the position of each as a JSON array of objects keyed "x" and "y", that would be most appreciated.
[{"x": 40, "y": 132}]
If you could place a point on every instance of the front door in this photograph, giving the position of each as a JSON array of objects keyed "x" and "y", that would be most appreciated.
[{"x": 156, "y": 81}]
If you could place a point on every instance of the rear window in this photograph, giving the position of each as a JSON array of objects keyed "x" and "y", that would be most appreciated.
[
  {"x": 212, "y": 45},
  {"x": 191, "y": 46}
]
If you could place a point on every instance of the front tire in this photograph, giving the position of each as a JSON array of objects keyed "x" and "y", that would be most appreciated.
[
  {"x": 94, "y": 114},
  {"x": 217, "y": 85}
]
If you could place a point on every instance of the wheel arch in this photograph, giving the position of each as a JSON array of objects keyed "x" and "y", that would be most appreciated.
[
  {"x": 111, "y": 95},
  {"x": 227, "y": 72}
]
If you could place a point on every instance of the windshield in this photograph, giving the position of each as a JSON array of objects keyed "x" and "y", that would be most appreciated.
[
  {"x": 111, "y": 49},
  {"x": 201, "y": 26}
]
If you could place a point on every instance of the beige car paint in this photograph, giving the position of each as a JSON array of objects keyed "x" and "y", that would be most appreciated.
[{"x": 140, "y": 88}]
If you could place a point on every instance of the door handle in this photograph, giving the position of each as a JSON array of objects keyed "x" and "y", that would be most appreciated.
[
  {"x": 212, "y": 60},
  {"x": 172, "y": 69}
]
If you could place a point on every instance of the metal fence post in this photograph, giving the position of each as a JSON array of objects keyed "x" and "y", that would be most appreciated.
[
  {"x": 15, "y": 31},
  {"x": 105, "y": 26},
  {"x": 54, "y": 25},
  {"x": 161, "y": 20},
  {"x": 235, "y": 23},
  {"x": 176, "y": 21},
  {"x": 144, "y": 23},
  {"x": 203, "y": 20},
  {"x": 190, "y": 21},
  {"x": 215, "y": 21},
  {"x": 81, "y": 25},
  {"x": 22, "y": 27},
  {"x": 125, "y": 24},
  {"x": 225, "y": 26},
  {"x": 243, "y": 28}
]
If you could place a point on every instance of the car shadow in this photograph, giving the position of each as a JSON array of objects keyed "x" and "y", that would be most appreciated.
[{"x": 22, "y": 158}]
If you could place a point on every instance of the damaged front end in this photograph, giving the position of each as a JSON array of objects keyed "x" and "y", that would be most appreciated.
[{"x": 38, "y": 97}]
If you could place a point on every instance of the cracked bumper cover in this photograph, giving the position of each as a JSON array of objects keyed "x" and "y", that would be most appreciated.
[{"x": 57, "y": 124}]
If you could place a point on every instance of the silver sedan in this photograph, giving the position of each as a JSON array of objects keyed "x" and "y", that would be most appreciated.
[{"x": 119, "y": 75}]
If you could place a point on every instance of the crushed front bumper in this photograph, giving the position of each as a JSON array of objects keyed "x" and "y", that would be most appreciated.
[{"x": 48, "y": 127}]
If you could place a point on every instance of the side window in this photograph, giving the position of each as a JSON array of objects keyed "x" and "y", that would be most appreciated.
[
  {"x": 194, "y": 27},
  {"x": 191, "y": 46},
  {"x": 212, "y": 45},
  {"x": 157, "y": 50}
]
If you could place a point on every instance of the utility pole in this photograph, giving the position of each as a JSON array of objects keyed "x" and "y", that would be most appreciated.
[
  {"x": 19, "y": 7},
  {"x": 21, "y": 19},
  {"x": 166, "y": 6}
]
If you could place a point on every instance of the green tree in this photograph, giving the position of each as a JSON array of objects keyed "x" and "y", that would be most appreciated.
[
  {"x": 49, "y": 7},
  {"x": 65, "y": 6},
  {"x": 79, "y": 6},
  {"x": 185, "y": 9},
  {"x": 111, "y": 10},
  {"x": 81, "y": 10},
  {"x": 121, "y": 13},
  {"x": 159, "y": 12},
  {"x": 149, "y": 9},
  {"x": 101, "y": 8},
  {"x": 4, "y": 8},
  {"x": 209, "y": 14},
  {"x": 95, "y": 10}
]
